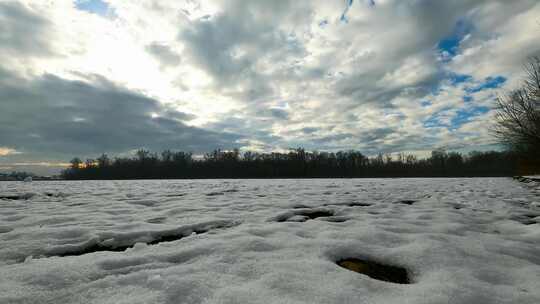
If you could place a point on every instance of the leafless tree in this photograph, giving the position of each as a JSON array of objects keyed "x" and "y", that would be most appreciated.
[{"x": 518, "y": 114}]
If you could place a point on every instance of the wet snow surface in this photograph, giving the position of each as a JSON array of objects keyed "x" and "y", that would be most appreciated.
[{"x": 270, "y": 241}]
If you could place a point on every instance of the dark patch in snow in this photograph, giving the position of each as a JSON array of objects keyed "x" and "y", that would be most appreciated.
[
  {"x": 109, "y": 243},
  {"x": 377, "y": 271},
  {"x": 14, "y": 197},
  {"x": 76, "y": 204},
  {"x": 356, "y": 204},
  {"x": 406, "y": 202},
  {"x": 214, "y": 193},
  {"x": 302, "y": 215},
  {"x": 335, "y": 219},
  {"x": 525, "y": 219},
  {"x": 10, "y": 197},
  {"x": 528, "y": 222},
  {"x": 147, "y": 203},
  {"x": 230, "y": 191},
  {"x": 5, "y": 229},
  {"x": 175, "y": 194},
  {"x": 457, "y": 206},
  {"x": 156, "y": 220},
  {"x": 55, "y": 194}
]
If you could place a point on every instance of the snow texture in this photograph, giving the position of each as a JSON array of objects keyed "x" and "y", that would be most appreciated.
[{"x": 269, "y": 241}]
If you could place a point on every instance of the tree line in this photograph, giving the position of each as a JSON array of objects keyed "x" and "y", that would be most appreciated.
[{"x": 297, "y": 163}]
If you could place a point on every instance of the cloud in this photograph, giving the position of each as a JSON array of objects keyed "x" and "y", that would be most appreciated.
[
  {"x": 54, "y": 117},
  {"x": 166, "y": 56},
  {"x": 234, "y": 43},
  {"x": 24, "y": 32}
]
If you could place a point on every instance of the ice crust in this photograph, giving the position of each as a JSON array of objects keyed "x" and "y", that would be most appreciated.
[{"x": 269, "y": 241}]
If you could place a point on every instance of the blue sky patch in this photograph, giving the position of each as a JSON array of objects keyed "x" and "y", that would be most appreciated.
[
  {"x": 343, "y": 17},
  {"x": 462, "y": 116},
  {"x": 426, "y": 103},
  {"x": 450, "y": 44},
  {"x": 489, "y": 83},
  {"x": 456, "y": 79},
  {"x": 465, "y": 115},
  {"x": 432, "y": 122},
  {"x": 98, "y": 7},
  {"x": 435, "y": 119}
]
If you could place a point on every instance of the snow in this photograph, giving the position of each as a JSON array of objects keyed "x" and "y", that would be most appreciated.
[{"x": 269, "y": 241}]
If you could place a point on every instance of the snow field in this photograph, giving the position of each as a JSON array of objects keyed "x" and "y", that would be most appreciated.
[{"x": 269, "y": 241}]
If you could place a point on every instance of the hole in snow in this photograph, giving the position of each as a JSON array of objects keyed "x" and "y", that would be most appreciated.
[
  {"x": 357, "y": 204},
  {"x": 20, "y": 196},
  {"x": 55, "y": 194},
  {"x": 175, "y": 194},
  {"x": 230, "y": 191},
  {"x": 406, "y": 202},
  {"x": 10, "y": 197},
  {"x": 5, "y": 229},
  {"x": 351, "y": 204},
  {"x": 121, "y": 243},
  {"x": 214, "y": 193},
  {"x": 302, "y": 215},
  {"x": 335, "y": 219},
  {"x": 374, "y": 270},
  {"x": 156, "y": 220},
  {"x": 525, "y": 219}
]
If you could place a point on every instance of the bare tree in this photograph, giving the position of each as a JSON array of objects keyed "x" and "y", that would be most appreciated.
[{"x": 518, "y": 114}]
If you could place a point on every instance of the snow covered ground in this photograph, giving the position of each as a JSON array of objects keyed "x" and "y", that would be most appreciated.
[{"x": 269, "y": 241}]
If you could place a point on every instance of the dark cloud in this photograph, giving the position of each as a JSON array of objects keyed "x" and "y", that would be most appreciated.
[
  {"x": 309, "y": 130},
  {"x": 210, "y": 44},
  {"x": 23, "y": 32},
  {"x": 333, "y": 138},
  {"x": 279, "y": 114},
  {"x": 371, "y": 136},
  {"x": 230, "y": 45},
  {"x": 49, "y": 117},
  {"x": 166, "y": 56}
]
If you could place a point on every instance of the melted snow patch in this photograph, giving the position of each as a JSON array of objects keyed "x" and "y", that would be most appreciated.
[{"x": 376, "y": 270}]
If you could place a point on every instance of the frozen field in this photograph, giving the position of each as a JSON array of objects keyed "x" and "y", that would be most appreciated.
[{"x": 269, "y": 241}]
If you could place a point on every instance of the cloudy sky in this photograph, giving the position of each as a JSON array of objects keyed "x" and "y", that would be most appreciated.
[{"x": 83, "y": 77}]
